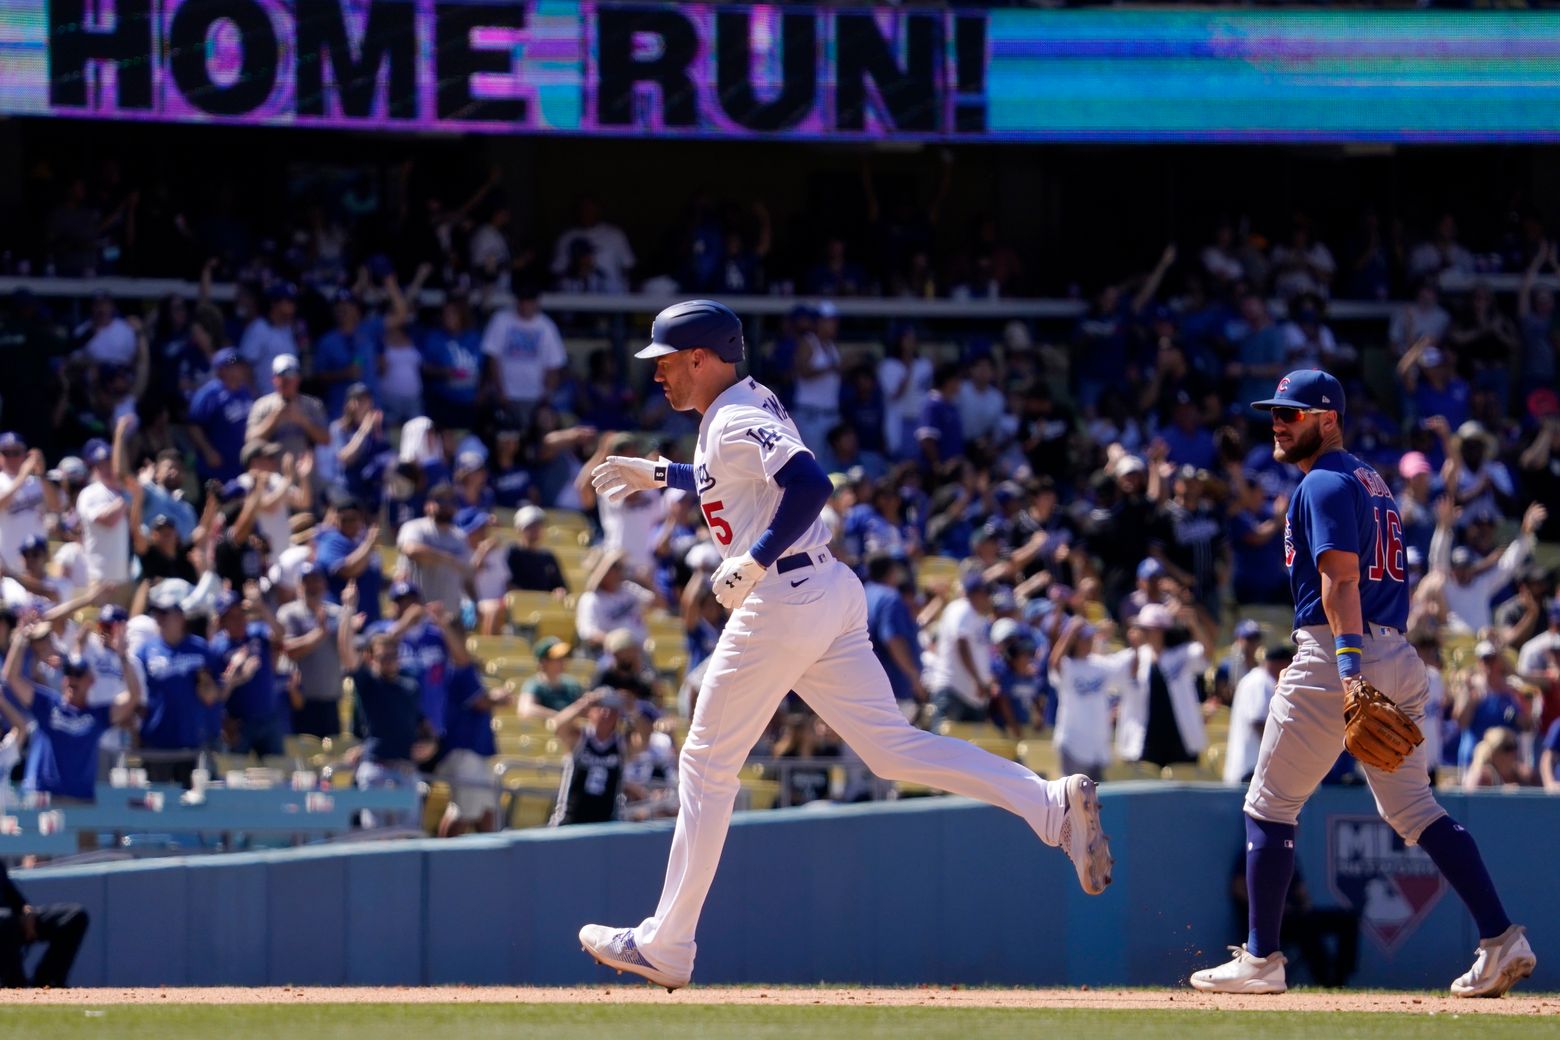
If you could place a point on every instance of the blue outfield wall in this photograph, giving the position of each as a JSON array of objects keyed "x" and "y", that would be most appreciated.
[{"x": 931, "y": 890}]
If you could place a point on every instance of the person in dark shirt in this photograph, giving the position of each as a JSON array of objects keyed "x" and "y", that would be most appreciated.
[
  {"x": 593, "y": 776},
  {"x": 389, "y": 703},
  {"x": 532, "y": 566},
  {"x": 59, "y": 926},
  {"x": 161, "y": 553}
]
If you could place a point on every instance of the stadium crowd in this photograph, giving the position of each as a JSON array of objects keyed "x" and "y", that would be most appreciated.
[{"x": 211, "y": 515}]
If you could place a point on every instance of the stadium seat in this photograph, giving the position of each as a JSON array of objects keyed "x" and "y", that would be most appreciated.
[
  {"x": 1040, "y": 755},
  {"x": 530, "y": 809},
  {"x": 1186, "y": 771},
  {"x": 434, "y": 804},
  {"x": 1131, "y": 771},
  {"x": 1002, "y": 747},
  {"x": 934, "y": 570},
  {"x": 761, "y": 794}
]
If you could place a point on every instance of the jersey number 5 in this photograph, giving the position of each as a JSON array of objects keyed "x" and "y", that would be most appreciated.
[
  {"x": 718, "y": 527},
  {"x": 1389, "y": 548}
]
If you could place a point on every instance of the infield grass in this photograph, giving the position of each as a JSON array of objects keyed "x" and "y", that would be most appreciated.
[{"x": 723, "y": 1022}]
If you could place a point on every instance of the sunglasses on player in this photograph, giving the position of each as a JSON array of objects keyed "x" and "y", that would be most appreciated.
[{"x": 1292, "y": 415}]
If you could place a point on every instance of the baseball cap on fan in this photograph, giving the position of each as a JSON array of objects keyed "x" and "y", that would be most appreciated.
[
  {"x": 1306, "y": 388},
  {"x": 696, "y": 323}
]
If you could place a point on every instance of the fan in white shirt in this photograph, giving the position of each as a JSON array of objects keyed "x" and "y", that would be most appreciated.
[
  {"x": 23, "y": 497},
  {"x": 610, "y": 601},
  {"x": 1249, "y": 712},
  {"x": 524, "y": 350},
  {"x": 1086, "y": 685},
  {"x": 958, "y": 671},
  {"x": 105, "y": 518}
]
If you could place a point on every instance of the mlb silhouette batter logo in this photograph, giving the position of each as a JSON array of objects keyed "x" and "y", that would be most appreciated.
[{"x": 1394, "y": 887}]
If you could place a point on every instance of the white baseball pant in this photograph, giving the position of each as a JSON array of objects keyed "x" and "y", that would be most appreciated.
[
  {"x": 1304, "y": 732},
  {"x": 806, "y": 630}
]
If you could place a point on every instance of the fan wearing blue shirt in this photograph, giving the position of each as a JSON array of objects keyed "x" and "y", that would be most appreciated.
[
  {"x": 347, "y": 354},
  {"x": 181, "y": 677},
  {"x": 452, "y": 361},
  {"x": 62, "y": 756},
  {"x": 424, "y": 646},
  {"x": 895, "y": 637},
  {"x": 219, "y": 416},
  {"x": 348, "y": 550},
  {"x": 246, "y": 640},
  {"x": 468, "y": 747}
]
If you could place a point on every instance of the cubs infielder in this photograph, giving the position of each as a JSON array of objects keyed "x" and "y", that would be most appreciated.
[
  {"x": 798, "y": 623},
  {"x": 1343, "y": 545}
]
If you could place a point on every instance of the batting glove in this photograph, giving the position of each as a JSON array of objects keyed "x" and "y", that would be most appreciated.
[
  {"x": 619, "y": 476},
  {"x": 735, "y": 578}
]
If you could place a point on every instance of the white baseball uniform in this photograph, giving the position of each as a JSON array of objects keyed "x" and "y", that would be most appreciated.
[{"x": 802, "y": 628}]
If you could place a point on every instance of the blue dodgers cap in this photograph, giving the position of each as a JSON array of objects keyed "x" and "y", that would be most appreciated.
[
  {"x": 225, "y": 357},
  {"x": 96, "y": 451},
  {"x": 10, "y": 441},
  {"x": 696, "y": 323},
  {"x": 225, "y": 601},
  {"x": 1248, "y": 629},
  {"x": 404, "y": 588},
  {"x": 472, "y": 519},
  {"x": 1306, "y": 388},
  {"x": 1149, "y": 568},
  {"x": 112, "y": 612},
  {"x": 33, "y": 543}
]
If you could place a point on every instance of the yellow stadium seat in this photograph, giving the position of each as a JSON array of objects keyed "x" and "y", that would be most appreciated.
[
  {"x": 1002, "y": 747},
  {"x": 558, "y": 623},
  {"x": 568, "y": 519},
  {"x": 1186, "y": 771},
  {"x": 1131, "y": 771},
  {"x": 932, "y": 570},
  {"x": 1040, "y": 755},
  {"x": 761, "y": 794},
  {"x": 527, "y": 809},
  {"x": 433, "y": 807}
]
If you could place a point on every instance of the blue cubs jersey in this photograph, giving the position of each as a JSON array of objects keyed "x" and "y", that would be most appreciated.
[{"x": 1344, "y": 504}]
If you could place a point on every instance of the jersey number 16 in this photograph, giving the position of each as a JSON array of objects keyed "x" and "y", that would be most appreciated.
[{"x": 1389, "y": 548}]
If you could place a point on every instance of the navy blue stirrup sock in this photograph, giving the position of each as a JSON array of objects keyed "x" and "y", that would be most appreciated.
[
  {"x": 1457, "y": 856},
  {"x": 1270, "y": 864}
]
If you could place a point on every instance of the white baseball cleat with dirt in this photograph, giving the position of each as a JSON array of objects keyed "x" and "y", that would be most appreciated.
[
  {"x": 614, "y": 948},
  {"x": 1497, "y": 965},
  {"x": 1083, "y": 839},
  {"x": 1244, "y": 974}
]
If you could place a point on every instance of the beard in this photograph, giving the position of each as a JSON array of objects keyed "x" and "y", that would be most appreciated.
[{"x": 1303, "y": 445}]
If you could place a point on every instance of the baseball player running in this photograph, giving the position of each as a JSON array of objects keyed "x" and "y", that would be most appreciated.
[
  {"x": 798, "y": 622},
  {"x": 1343, "y": 545}
]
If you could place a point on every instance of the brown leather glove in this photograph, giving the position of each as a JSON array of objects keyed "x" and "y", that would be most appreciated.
[{"x": 1375, "y": 730}]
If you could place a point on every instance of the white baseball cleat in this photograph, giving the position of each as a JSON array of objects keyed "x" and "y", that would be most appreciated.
[
  {"x": 1083, "y": 839},
  {"x": 614, "y": 948},
  {"x": 1497, "y": 965},
  {"x": 1244, "y": 974}
]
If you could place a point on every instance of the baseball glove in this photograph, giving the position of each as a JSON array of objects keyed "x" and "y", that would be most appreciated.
[{"x": 1374, "y": 729}]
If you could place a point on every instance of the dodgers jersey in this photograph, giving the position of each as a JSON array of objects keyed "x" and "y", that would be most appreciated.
[
  {"x": 745, "y": 438},
  {"x": 1344, "y": 504}
]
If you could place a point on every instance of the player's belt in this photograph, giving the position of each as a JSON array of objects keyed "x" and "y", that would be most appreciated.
[{"x": 796, "y": 561}]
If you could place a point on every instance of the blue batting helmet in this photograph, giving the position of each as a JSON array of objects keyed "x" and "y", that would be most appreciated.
[{"x": 696, "y": 323}]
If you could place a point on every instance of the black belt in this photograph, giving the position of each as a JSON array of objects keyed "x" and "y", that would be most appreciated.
[{"x": 795, "y": 561}]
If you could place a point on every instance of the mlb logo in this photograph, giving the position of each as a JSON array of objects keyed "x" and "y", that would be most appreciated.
[{"x": 1393, "y": 886}]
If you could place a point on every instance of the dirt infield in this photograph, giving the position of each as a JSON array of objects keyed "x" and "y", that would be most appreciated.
[{"x": 925, "y": 996}]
